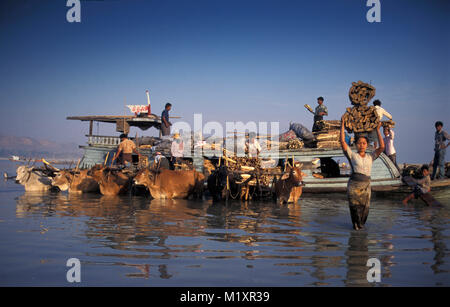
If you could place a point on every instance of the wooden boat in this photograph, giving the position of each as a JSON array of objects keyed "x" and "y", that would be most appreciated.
[
  {"x": 100, "y": 148},
  {"x": 385, "y": 175}
]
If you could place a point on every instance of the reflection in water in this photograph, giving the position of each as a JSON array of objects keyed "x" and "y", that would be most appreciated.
[
  {"x": 310, "y": 243},
  {"x": 437, "y": 224},
  {"x": 357, "y": 256}
]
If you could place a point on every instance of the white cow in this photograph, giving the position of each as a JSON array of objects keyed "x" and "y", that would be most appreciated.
[{"x": 32, "y": 180}]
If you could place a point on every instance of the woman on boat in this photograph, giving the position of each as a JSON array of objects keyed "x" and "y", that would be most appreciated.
[{"x": 358, "y": 187}]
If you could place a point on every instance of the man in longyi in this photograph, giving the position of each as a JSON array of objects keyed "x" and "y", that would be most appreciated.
[{"x": 320, "y": 111}]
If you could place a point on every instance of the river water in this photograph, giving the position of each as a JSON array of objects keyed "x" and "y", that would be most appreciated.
[{"x": 136, "y": 241}]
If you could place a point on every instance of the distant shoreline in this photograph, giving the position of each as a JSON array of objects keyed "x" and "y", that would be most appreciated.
[{"x": 53, "y": 161}]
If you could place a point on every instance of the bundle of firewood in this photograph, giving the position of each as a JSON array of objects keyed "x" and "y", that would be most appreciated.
[
  {"x": 329, "y": 144},
  {"x": 244, "y": 163},
  {"x": 328, "y": 125},
  {"x": 361, "y": 93},
  {"x": 361, "y": 118},
  {"x": 292, "y": 144},
  {"x": 388, "y": 124},
  {"x": 328, "y": 136}
]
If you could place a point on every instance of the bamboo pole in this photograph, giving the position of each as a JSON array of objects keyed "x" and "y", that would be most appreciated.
[{"x": 106, "y": 159}]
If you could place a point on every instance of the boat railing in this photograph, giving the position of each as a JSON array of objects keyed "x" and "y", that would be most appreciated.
[{"x": 102, "y": 140}]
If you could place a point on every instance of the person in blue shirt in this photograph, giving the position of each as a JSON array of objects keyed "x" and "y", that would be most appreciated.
[{"x": 165, "y": 123}]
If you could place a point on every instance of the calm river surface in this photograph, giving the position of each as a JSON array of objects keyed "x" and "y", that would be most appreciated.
[{"x": 135, "y": 241}]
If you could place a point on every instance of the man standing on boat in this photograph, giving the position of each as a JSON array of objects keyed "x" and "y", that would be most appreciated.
[
  {"x": 165, "y": 123},
  {"x": 177, "y": 150},
  {"x": 252, "y": 146},
  {"x": 440, "y": 137},
  {"x": 320, "y": 112},
  {"x": 126, "y": 148}
]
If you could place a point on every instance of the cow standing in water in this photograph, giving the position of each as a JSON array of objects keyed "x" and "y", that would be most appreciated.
[
  {"x": 32, "y": 180},
  {"x": 164, "y": 183},
  {"x": 217, "y": 183},
  {"x": 290, "y": 187},
  {"x": 75, "y": 181},
  {"x": 111, "y": 181}
]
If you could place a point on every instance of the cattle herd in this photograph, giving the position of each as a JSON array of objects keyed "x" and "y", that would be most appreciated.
[{"x": 219, "y": 182}]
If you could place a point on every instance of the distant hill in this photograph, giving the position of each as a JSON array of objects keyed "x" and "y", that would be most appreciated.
[{"x": 31, "y": 148}]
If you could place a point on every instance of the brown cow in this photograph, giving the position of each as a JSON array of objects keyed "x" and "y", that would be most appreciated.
[
  {"x": 171, "y": 184},
  {"x": 75, "y": 181},
  {"x": 289, "y": 188},
  {"x": 111, "y": 181}
]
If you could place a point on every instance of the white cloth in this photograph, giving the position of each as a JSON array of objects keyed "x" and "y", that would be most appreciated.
[
  {"x": 382, "y": 112},
  {"x": 389, "y": 143},
  {"x": 177, "y": 149},
  {"x": 359, "y": 164}
]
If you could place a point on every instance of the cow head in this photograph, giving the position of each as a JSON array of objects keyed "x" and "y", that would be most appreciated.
[
  {"x": 23, "y": 174},
  {"x": 98, "y": 172},
  {"x": 294, "y": 174},
  {"x": 221, "y": 179},
  {"x": 62, "y": 180},
  {"x": 146, "y": 177},
  {"x": 141, "y": 177}
]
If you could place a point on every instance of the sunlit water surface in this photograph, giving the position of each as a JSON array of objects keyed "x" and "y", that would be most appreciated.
[{"x": 135, "y": 241}]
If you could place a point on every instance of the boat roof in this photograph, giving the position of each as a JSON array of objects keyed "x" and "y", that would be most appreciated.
[{"x": 141, "y": 122}]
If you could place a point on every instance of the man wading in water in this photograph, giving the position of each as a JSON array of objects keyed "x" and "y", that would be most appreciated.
[{"x": 358, "y": 187}]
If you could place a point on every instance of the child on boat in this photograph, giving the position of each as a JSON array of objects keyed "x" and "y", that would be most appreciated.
[{"x": 422, "y": 187}]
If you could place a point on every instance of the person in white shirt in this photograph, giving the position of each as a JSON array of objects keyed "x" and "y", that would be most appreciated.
[
  {"x": 252, "y": 146},
  {"x": 389, "y": 149},
  {"x": 358, "y": 187},
  {"x": 380, "y": 113},
  {"x": 177, "y": 149}
]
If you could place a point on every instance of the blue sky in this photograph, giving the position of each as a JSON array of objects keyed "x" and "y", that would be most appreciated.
[{"x": 229, "y": 60}]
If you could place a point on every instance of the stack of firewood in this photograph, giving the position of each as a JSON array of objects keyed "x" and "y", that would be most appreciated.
[
  {"x": 329, "y": 125},
  {"x": 388, "y": 124},
  {"x": 361, "y": 93},
  {"x": 328, "y": 136},
  {"x": 329, "y": 139},
  {"x": 291, "y": 144},
  {"x": 361, "y": 118}
]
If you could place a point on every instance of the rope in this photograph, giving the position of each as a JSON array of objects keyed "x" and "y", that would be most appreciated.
[{"x": 238, "y": 192}]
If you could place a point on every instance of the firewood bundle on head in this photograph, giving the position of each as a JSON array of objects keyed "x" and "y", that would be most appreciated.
[
  {"x": 361, "y": 93},
  {"x": 361, "y": 118},
  {"x": 388, "y": 124}
]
